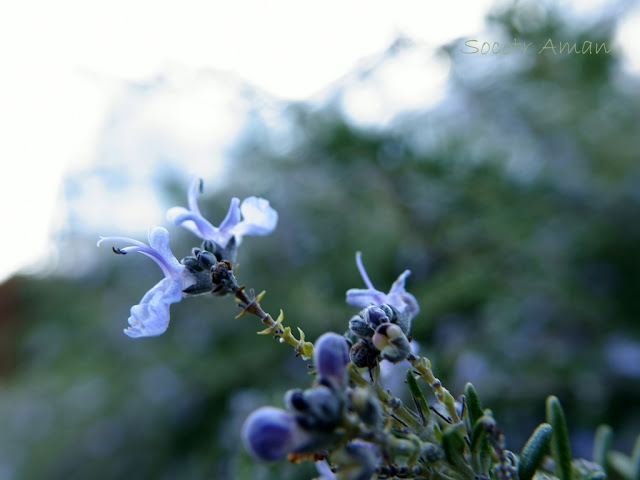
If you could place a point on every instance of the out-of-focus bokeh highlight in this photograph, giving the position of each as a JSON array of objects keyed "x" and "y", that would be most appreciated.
[{"x": 508, "y": 183}]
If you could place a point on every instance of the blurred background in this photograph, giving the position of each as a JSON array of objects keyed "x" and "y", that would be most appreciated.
[{"x": 508, "y": 183}]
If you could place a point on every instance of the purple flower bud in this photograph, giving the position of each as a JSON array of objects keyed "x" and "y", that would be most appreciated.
[
  {"x": 271, "y": 433},
  {"x": 331, "y": 357},
  {"x": 376, "y": 316}
]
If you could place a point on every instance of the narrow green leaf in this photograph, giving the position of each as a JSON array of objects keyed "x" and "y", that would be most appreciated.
[
  {"x": 480, "y": 432},
  {"x": 601, "y": 446},
  {"x": 416, "y": 393},
  {"x": 474, "y": 407},
  {"x": 453, "y": 446},
  {"x": 479, "y": 444},
  {"x": 621, "y": 463},
  {"x": 438, "y": 432},
  {"x": 560, "y": 447},
  {"x": 534, "y": 451},
  {"x": 635, "y": 460}
]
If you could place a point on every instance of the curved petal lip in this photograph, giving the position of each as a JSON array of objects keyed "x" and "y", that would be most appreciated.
[
  {"x": 192, "y": 221},
  {"x": 258, "y": 218},
  {"x": 150, "y": 317}
]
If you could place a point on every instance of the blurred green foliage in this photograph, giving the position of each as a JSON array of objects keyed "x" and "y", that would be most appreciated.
[{"x": 514, "y": 203}]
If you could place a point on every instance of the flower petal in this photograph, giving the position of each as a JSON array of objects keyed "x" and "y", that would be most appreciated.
[
  {"x": 150, "y": 317},
  {"x": 411, "y": 304},
  {"x": 233, "y": 217},
  {"x": 159, "y": 241},
  {"x": 258, "y": 218},
  {"x": 400, "y": 298},
  {"x": 397, "y": 297},
  {"x": 193, "y": 192},
  {"x": 359, "y": 297},
  {"x": 158, "y": 250},
  {"x": 398, "y": 286},
  {"x": 253, "y": 217},
  {"x": 363, "y": 272},
  {"x": 192, "y": 221}
]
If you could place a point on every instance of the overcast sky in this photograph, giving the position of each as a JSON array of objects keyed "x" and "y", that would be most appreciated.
[{"x": 65, "y": 64}]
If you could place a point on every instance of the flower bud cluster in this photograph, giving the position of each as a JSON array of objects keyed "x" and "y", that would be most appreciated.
[
  {"x": 199, "y": 265},
  {"x": 311, "y": 415},
  {"x": 379, "y": 331},
  {"x": 320, "y": 418}
]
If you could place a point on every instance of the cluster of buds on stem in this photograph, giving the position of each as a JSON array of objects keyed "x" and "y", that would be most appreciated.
[
  {"x": 379, "y": 331},
  {"x": 325, "y": 417}
]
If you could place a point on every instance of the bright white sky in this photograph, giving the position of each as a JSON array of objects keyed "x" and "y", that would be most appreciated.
[{"x": 64, "y": 64}]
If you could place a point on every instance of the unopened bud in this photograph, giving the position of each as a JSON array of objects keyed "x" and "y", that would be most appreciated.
[
  {"x": 392, "y": 342},
  {"x": 377, "y": 315},
  {"x": 191, "y": 263},
  {"x": 331, "y": 357},
  {"x": 206, "y": 259},
  {"x": 324, "y": 408},
  {"x": 364, "y": 355},
  {"x": 209, "y": 246},
  {"x": 271, "y": 433},
  {"x": 360, "y": 327}
]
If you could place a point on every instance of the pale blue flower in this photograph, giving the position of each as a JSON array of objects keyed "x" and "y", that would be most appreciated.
[
  {"x": 151, "y": 316},
  {"x": 253, "y": 217},
  {"x": 397, "y": 297}
]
